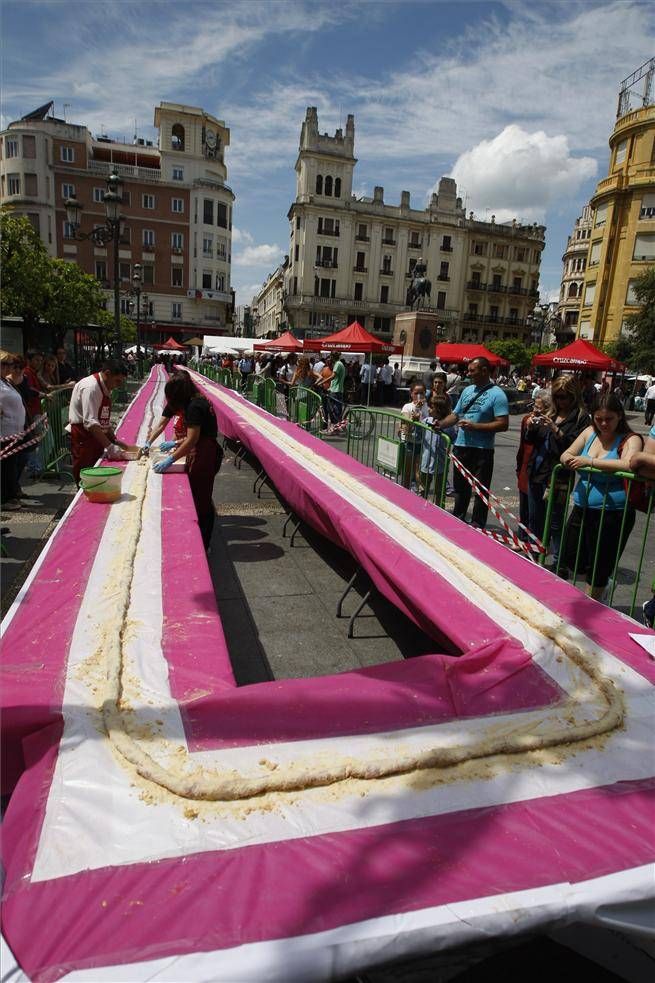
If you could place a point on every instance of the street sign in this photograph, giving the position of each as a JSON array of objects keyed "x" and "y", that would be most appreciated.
[{"x": 387, "y": 454}]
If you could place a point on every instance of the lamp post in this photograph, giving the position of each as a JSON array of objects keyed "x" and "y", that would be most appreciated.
[
  {"x": 136, "y": 287},
  {"x": 111, "y": 231},
  {"x": 540, "y": 319}
]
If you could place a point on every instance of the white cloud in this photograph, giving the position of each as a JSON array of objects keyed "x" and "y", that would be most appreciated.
[
  {"x": 262, "y": 255},
  {"x": 241, "y": 236},
  {"x": 519, "y": 174}
]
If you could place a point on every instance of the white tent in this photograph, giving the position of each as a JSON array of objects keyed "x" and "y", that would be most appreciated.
[{"x": 229, "y": 344}]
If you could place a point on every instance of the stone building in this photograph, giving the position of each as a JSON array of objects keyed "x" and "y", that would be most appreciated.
[
  {"x": 352, "y": 258},
  {"x": 622, "y": 243},
  {"x": 177, "y": 207},
  {"x": 573, "y": 272},
  {"x": 268, "y": 305}
]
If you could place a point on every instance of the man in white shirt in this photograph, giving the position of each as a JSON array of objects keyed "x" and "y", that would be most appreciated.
[
  {"x": 649, "y": 404},
  {"x": 365, "y": 377},
  {"x": 89, "y": 415},
  {"x": 386, "y": 379}
]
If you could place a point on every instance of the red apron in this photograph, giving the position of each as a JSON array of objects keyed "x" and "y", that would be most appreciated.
[
  {"x": 179, "y": 427},
  {"x": 85, "y": 449}
]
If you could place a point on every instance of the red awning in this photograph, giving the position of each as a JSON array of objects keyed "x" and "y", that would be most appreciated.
[
  {"x": 448, "y": 352},
  {"x": 285, "y": 343},
  {"x": 354, "y": 338},
  {"x": 171, "y": 345},
  {"x": 580, "y": 355}
]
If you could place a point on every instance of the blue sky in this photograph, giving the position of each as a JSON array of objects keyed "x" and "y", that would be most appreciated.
[{"x": 515, "y": 99}]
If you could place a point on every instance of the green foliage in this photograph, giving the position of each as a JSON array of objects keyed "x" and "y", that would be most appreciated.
[
  {"x": 623, "y": 350},
  {"x": 516, "y": 353},
  {"x": 74, "y": 298},
  {"x": 641, "y": 326},
  {"x": 25, "y": 269},
  {"x": 128, "y": 327}
]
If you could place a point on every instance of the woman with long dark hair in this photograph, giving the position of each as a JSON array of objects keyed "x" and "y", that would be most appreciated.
[
  {"x": 600, "y": 499},
  {"x": 200, "y": 446}
]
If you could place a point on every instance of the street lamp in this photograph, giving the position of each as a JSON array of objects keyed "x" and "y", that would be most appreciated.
[
  {"x": 540, "y": 319},
  {"x": 112, "y": 231}
]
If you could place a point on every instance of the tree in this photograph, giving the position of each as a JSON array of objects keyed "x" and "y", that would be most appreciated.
[
  {"x": 641, "y": 326},
  {"x": 25, "y": 272},
  {"x": 128, "y": 328},
  {"x": 623, "y": 350},
  {"x": 74, "y": 299},
  {"x": 515, "y": 352}
]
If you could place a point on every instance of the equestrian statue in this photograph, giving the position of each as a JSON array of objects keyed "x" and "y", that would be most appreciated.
[{"x": 420, "y": 287}]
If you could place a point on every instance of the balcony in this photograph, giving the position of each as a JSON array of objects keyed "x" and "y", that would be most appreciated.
[
  {"x": 496, "y": 288},
  {"x": 362, "y": 238},
  {"x": 414, "y": 245},
  {"x": 360, "y": 269},
  {"x": 446, "y": 249},
  {"x": 385, "y": 272},
  {"x": 476, "y": 285},
  {"x": 327, "y": 232},
  {"x": 519, "y": 291},
  {"x": 388, "y": 242},
  {"x": 327, "y": 264},
  {"x": 444, "y": 278}
]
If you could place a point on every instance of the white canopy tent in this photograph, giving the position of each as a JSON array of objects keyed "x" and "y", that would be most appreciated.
[{"x": 227, "y": 343}]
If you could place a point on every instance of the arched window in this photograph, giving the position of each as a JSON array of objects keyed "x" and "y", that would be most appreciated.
[
  {"x": 337, "y": 187},
  {"x": 177, "y": 137},
  {"x": 319, "y": 184},
  {"x": 328, "y": 186},
  {"x": 573, "y": 290}
]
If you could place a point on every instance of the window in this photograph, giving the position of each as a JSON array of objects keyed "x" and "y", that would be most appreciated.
[
  {"x": 384, "y": 294},
  {"x": 69, "y": 230},
  {"x": 631, "y": 298},
  {"x": 446, "y": 244},
  {"x": 177, "y": 204},
  {"x": 601, "y": 215},
  {"x": 126, "y": 197},
  {"x": 496, "y": 281},
  {"x": 594, "y": 252},
  {"x": 475, "y": 278},
  {"x": 519, "y": 254},
  {"x": 206, "y": 280},
  {"x": 101, "y": 270},
  {"x": 621, "y": 152},
  {"x": 208, "y": 246},
  {"x": 177, "y": 137},
  {"x": 125, "y": 305},
  {"x": 589, "y": 294},
  {"x": 328, "y": 187},
  {"x": 361, "y": 233},
  {"x": 29, "y": 147},
  {"x": 328, "y": 288},
  {"x": 473, "y": 310},
  {"x": 500, "y": 250},
  {"x": 177, "y": 241},
  {"x": 34, "y": 221},
  {"x": 386, "y": 264},
  {"x": 176, "y": 310},
  {"x": 126, "y": 238},
  {"x": 220, "y": 282},
  {"x": 337, "y": 187},
  {"x": 99, "y": 195},
  {"x": 441, "y": 300},
  {"x": 644, "y": 247},
  {"x": 514, "y": 314},
  {"x": 176, "y": 276},
  {"x": 415, "y": 240},
  {"x": 359, "y": 291},
  {"x": 319, "y": 184},
  {"x": 148, "y": 201},
  {"x": 382, "y": 324},
  {"x": 388, "y": 236},
  {"x": 221, "y": 215},
  {"x": 147, "y": 273},
  {"x": 296, "y": 253},
  {"x": 11, "y": 148},
  {"x": 493, "y": 313},
  {"x": 360, "y": 263},
  {"x": 479, "y": 248},
  {"x": 178, "y": 174},
  {"x": 412, "y": 264},
  {"x": 148, "y": 238},
  {"x": 208, "y": 211},
  {"x": 573, "y": 290},
  {"x": 68, "y": 155},
  {"x": 647, "y": 209},
  {"x": 517, "y": 283},
  {"x": 67, "y": 191},
  {"x": 31, "y": 186},
  {"x": 443, "y": 271},
  {"x": 221, "y": 247},
  {"x": 123, "y": 271}
]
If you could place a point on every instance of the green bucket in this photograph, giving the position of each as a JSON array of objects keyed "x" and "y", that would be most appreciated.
[{"x": 101, "y": 484}]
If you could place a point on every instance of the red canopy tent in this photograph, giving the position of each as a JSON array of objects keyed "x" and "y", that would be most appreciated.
[
  {"x": 579, "y": 355},
  {"x": 354, "y": 338},
  {"x": 285, "y": 343},
  {"x": 448, "y": 352},
  {"x": 171, "y": 346}
]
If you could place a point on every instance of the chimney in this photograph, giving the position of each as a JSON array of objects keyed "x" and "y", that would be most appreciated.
[
  {"x": 404, "y": 199},
  {"x": 378, "y": 195}
]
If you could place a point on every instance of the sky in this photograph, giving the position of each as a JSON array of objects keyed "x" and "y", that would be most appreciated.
[{"x": 514, "y": 99}]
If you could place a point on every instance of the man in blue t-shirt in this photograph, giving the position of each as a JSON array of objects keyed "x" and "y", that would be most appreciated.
[{"x": 482, "y": 411}]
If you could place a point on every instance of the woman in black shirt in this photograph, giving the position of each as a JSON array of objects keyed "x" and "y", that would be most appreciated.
[{"x": 199, "y": 446}]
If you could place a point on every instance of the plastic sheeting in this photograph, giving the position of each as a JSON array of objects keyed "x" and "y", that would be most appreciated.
[{"x": 105, "y": 879}]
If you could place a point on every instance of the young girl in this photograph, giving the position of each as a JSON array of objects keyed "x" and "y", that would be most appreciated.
[
  {"x": 600, "y": 499},
  {"x": 435, "y": 449}
]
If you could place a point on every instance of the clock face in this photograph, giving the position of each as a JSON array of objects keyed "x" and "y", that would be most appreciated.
[{"x": 210, "y": 139}]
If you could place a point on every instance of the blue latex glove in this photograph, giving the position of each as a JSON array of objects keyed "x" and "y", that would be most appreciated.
[
  {"x": 167, "y": 445},
  {"x": 164, "y": 465},
  {"x": 146, "y": 446}
]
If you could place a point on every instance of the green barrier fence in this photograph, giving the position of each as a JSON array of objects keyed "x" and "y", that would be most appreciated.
[
  {"x": 588, "y": 541},
  {"x": 304, "y": 408},
  {"x": 410, "y": 453},
  {"x": 54, "y": 447}
]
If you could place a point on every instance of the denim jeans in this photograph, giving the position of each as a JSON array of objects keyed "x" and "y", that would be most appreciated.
[{"x": 536, "y": 508}]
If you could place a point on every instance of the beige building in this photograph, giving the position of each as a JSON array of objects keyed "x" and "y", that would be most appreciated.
[
  {"x": 176, "y": 204},
  {"x": 573, "y": 272},
  {"x": 352, "y": 258},
  {"x": 622, "y": 243},
  {"x": 267, "y": 306}
]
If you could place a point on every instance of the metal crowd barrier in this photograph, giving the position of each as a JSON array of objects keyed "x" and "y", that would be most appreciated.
[
  {"x": 305, "y": 408},
  {"x": 575, "y": 536},
  {"x": 55, "y": 446}
]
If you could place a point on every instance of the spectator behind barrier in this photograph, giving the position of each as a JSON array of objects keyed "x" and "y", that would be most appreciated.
[
  {"x": 608, "y": 445},
  {"x": 434, "y": 457}
]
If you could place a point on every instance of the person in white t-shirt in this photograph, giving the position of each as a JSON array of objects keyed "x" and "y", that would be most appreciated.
[
  {"x": 412, "y": 437},
  {"x": 649, "y": 405},
  {"x": 365, "y": 376},
  {"x": 386, "y": 381}
]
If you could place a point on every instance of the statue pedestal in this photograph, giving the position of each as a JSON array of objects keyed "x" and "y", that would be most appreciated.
[{"x": 417, "y": 330}]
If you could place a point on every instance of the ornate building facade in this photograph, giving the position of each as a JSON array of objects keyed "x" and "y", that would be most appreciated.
[
  {"x": 573, "y": 272},
  {"x": 175, "y": 200},
  {"x": 352, "y": 258}
]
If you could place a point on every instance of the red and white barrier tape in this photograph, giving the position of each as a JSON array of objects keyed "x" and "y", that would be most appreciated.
[
  {"x": 15, "y": 443},
  {"x": 494, "y": 505}
]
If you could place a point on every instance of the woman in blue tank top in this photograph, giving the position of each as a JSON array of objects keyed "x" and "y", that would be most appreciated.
[{"x": 600, "y": 499}]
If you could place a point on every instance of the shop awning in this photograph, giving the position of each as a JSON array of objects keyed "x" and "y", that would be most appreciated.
[
  {"x": 580, "y": 355},
  {"x": 354, "y": 338},
  {"x": 448, "y": 352}
]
